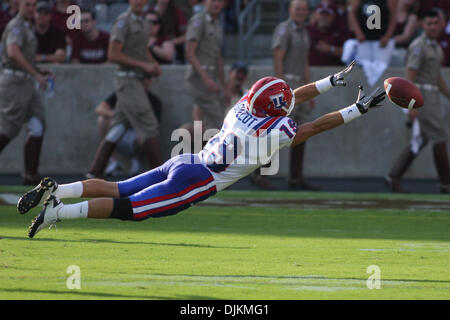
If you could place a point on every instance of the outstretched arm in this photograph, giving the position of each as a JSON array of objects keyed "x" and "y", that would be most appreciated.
[
  {"x": 305, "y": 93},
  {"x": 311, "y": 90},
  {"x": 334, "y": 119},
  {"x": 324, "y": 123}
]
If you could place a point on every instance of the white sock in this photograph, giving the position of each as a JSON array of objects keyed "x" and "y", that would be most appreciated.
[
  {"x": 71, "y": 190},
  {"x": 74, "y": 211}
]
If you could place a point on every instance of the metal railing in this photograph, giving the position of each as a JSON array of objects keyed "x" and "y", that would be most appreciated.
[{"x": 249, "y": 20}]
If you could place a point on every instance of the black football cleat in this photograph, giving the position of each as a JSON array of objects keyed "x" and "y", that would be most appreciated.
[
  {"x": 48, "y": 216},
  {"x": 35, "y": 196}
]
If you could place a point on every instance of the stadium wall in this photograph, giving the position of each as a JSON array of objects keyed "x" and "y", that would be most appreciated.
[{"x": 366, "y": 147}]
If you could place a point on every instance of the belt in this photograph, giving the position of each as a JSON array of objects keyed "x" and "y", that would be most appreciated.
[
  {"x": 427, "y": 86},
  {"x": 128, "y": 74},
  {"x": 209, "y": 68},
  {"x": 204, "y": 67},
  {"x": 17, "y": 73}
]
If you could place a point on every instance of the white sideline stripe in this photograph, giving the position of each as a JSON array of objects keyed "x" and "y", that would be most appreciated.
[
  {"x": 9, "y": 198},
  {"x": 264, "y": 87},
  {"x": 173, "y": 200},
  {"x": 411, "y": 104}
]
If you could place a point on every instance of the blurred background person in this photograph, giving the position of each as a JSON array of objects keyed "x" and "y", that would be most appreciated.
[
  {"x": 51, "y": 41},
  {"x": 326, "y": 37},
  {"x": 405, "y": 30},
  {"x": 375, "y": 46},
  {"x": 8, "y": 13},
  {"x": 196, "y": 6},
  {"x": 174, "y": 25},
  {"x": 235, "y": 87},
  {"x": 60, "y": 18},
  {"x": 235, "y": 83},
  {"x": 444, "y": 36},
  {"x": 128, "y": 49},
  {"x": 129, "y": 146},
  {"x": 427, "y": 5},
  {"x": 342, "y": 9},
  {"x": 91, "y": 44},
  {"x": 20, "y": 102},
  {"x": 204, "y": 78},
  {"x": 406, "y": 22},
  {"x": 290, "y": 47},
  {"x": 424, "y": 68},
  {"x": 160, "y": 45}
]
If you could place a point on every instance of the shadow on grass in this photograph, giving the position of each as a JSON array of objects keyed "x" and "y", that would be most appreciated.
[
  {"x": 192, "y": 245},
  {"x": 251, "y": 278},
  {"x": 285, "y": 222},
  {"x": 302, "y": 223},
  {"x": 65, "y": 295}
]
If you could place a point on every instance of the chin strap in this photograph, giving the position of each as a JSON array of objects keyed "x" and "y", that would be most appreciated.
[{"x": 292, "y": 105}]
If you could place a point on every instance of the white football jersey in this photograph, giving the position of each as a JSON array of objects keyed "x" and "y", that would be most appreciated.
[{"x": 245, "y": 143}]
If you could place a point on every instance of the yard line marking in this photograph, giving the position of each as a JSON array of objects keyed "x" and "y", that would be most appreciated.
[{"x": 9, "y": 198}]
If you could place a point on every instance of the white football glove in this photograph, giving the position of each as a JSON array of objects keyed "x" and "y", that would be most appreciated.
[{"x": 338, "y": 79}]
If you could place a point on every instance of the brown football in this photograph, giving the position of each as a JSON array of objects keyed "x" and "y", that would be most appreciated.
[{"x": 403, "y": 93}]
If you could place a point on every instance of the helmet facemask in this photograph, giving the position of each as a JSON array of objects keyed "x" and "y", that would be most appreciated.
[{"x": 292, "y": 105}]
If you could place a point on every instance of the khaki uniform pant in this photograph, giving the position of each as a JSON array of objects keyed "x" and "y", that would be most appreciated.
[
  {"x": 19, "y": 101},
  {"x": 210, "y": 104},
  {"x": 133, "y": 108},
  {"x": 431, "y": 119}
]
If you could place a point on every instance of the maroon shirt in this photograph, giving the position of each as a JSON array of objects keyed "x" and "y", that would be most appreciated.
[
  {"x": 399, "y": 27},
  {"x": 341, "y": 20},
  {"x": 333, "y": 37},
  {"x": 5, "y": 17},
  {"x": 91, "y": 51},
  {"x": 426, "y": 5},
  {"x": 158, "y": 43},
  {"x": 51, "y": 41},
  {"x": 179, "y": 24},
  {"x": 59, "y": 21},
  {"x": 444, "y": 42}
]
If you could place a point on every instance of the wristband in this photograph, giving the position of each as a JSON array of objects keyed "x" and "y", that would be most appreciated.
[
  {"x": 350, "y": 113},
  {"x": 324, "y": 85}
]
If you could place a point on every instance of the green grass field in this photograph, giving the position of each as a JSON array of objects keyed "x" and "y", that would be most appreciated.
[{"x": 224, "y": 250}]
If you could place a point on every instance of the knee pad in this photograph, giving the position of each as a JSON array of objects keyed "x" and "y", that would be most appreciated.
[
  {"x": 115, "y": 133},
  {"x": 122, "y": 209},
  {"x": 36, "y": 127}
]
